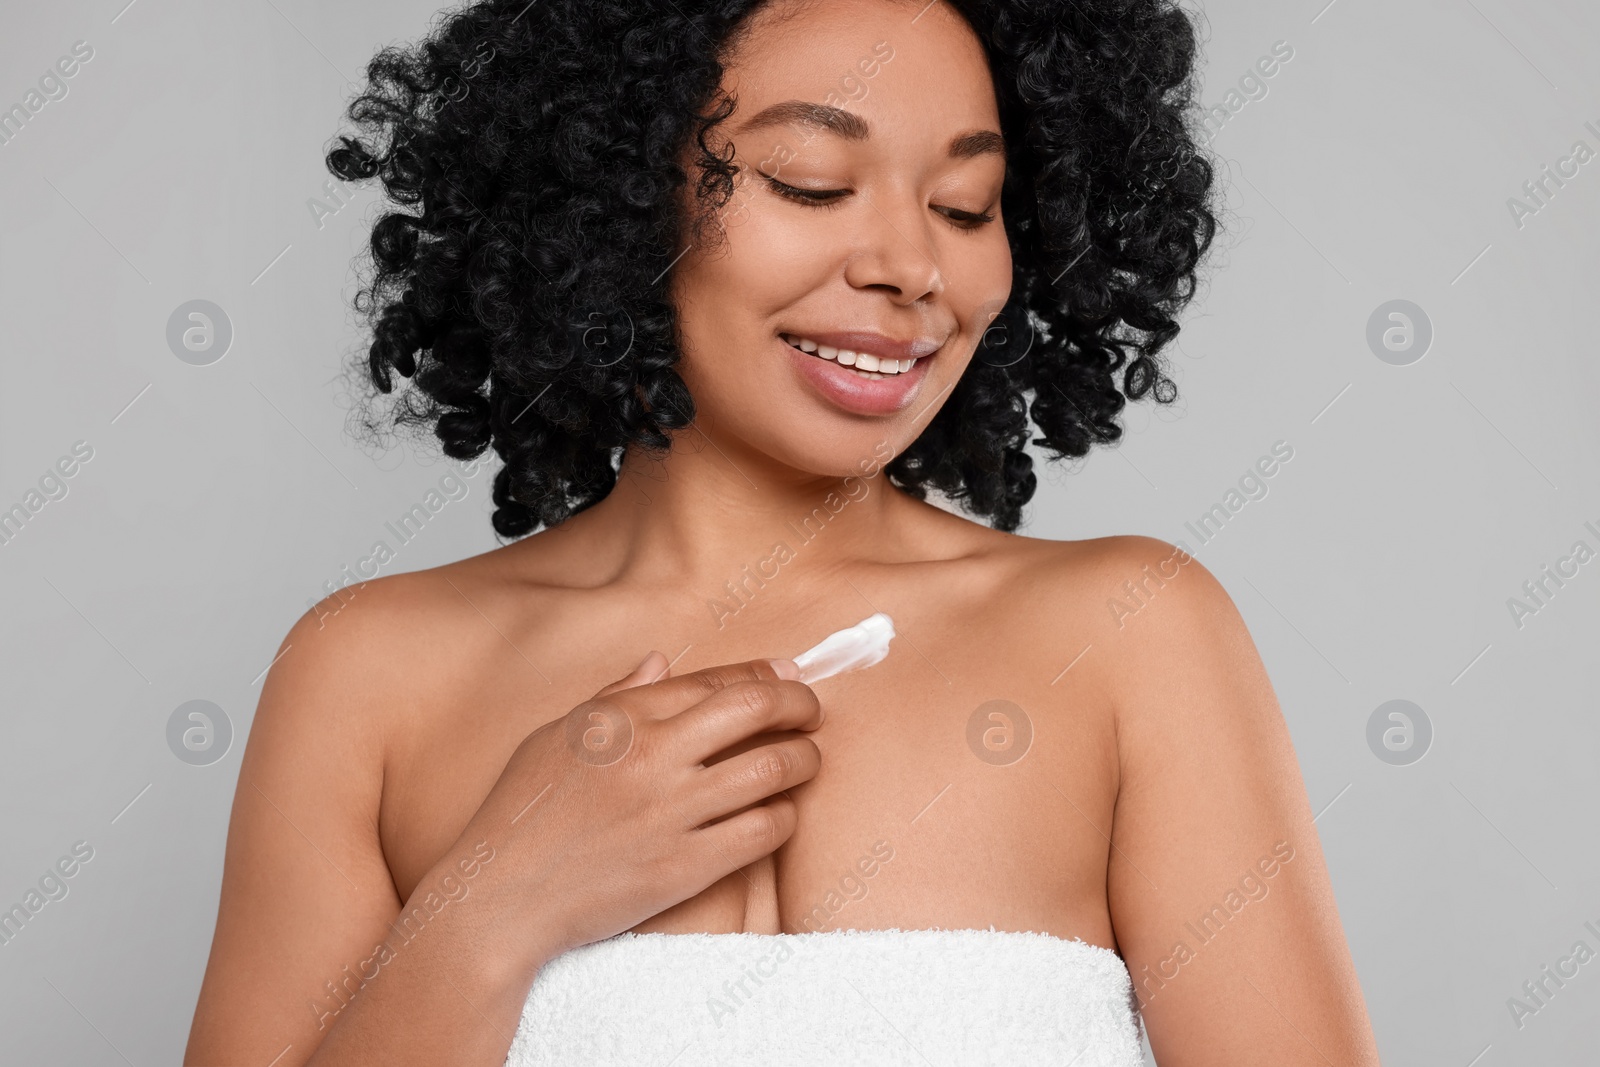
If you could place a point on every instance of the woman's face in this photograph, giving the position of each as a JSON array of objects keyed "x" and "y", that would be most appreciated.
[{"x": 884, "y": 238}]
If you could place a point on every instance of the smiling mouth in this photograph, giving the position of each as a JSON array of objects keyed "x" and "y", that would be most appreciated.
[{"x": 864, "y": 364}]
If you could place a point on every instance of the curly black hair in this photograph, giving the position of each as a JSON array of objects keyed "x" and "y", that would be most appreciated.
[{"x": 534, "y": 153}]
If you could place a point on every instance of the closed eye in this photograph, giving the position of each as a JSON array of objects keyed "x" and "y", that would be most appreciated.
[
  {"x": 966, "y": 220},
  {"x": 828, "y": 198},
  {"x": 812, "y": 197}
]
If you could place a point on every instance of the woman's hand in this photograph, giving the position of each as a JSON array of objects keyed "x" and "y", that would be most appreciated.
[
  {"x": 598, "y": 821},
  {"x": 609, "y": 814}
]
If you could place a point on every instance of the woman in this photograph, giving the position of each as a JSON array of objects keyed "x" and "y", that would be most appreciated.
[{"x": 728, "y": 287}]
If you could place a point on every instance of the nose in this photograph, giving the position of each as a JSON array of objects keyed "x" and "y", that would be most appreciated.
[{"x": 892, "y": 253}]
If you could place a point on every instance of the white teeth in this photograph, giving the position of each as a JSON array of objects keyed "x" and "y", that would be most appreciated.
[{"x": 865, "y": 363}]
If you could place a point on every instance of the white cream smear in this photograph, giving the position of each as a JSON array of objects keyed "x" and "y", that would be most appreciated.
[{"x": 851, "y": 649}]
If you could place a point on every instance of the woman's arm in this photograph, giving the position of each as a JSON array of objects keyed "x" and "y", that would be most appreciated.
[
  {"x": 313, "y": 952},
  {"x": 316, "y": 962},
  {"x": 1219, "y": 895}
]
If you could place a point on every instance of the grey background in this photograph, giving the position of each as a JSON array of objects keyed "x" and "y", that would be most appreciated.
[{"x": 1378, "y": 566}]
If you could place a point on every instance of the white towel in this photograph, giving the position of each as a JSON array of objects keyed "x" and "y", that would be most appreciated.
[{"x": 913, "y": 997}]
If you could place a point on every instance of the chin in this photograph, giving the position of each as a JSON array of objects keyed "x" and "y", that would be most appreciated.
[{"x": 829, "y": 450}]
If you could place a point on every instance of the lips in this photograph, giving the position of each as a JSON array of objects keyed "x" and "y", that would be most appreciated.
[
  {"x": 873, "y": 343},
  {"x": 845, "y": 387},
  {"x": 865, "y": 362}
]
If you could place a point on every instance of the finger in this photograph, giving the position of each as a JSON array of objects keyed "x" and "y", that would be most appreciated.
[
  {"x": 751, "y": 777},
  {"x": 742, "y": 839},
  {"x": 671, "y": 696},
  {"x": 739, "y": 711},
  {"x": 651, "y": 668}
]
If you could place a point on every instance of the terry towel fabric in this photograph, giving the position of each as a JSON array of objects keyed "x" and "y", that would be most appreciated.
[{"x": 912, "y": 997}]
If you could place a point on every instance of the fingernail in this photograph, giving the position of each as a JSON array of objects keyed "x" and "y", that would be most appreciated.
[
  {"x": 786, "y": 669},
  {"x": 659, "y": 671}
]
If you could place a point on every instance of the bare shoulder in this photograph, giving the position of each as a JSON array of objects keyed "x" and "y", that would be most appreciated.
[
  {"x": 1148, "y": 629},
  {"x": 1208, "y": 812},
  {"x": 1209, "y": 805},
  {"x": 307, "y": 886},
  {"x": 1132, "y": 592},
  {"x": 1126, "y": 571},
  {"x": 1167, "y": 627},
  {"x": 1157, "y": 598},
  {"x": 374, "y": 653}
]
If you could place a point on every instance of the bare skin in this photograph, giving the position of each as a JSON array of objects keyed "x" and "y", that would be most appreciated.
[{"x": 413, "y": 738}]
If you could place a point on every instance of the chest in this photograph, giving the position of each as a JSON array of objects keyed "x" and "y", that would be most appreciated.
[{"x": 958, "y": 789}]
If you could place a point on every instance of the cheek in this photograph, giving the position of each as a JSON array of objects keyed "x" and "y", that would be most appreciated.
[
  {"x": 734, "y": 295},
  {"x": 991, "y": 267},
  {"x": 778, "y": 253},
  {"x": 980, "y": 286}
]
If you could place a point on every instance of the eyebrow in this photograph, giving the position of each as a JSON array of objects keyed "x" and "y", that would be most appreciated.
[{"x": 853, "y": 127}]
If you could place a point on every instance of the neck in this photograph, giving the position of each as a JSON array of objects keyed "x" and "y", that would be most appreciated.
[{"x": 712, "y": 511}]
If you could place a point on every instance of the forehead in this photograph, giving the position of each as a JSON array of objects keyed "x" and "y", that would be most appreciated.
[{"x": 909, "y": 70}]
